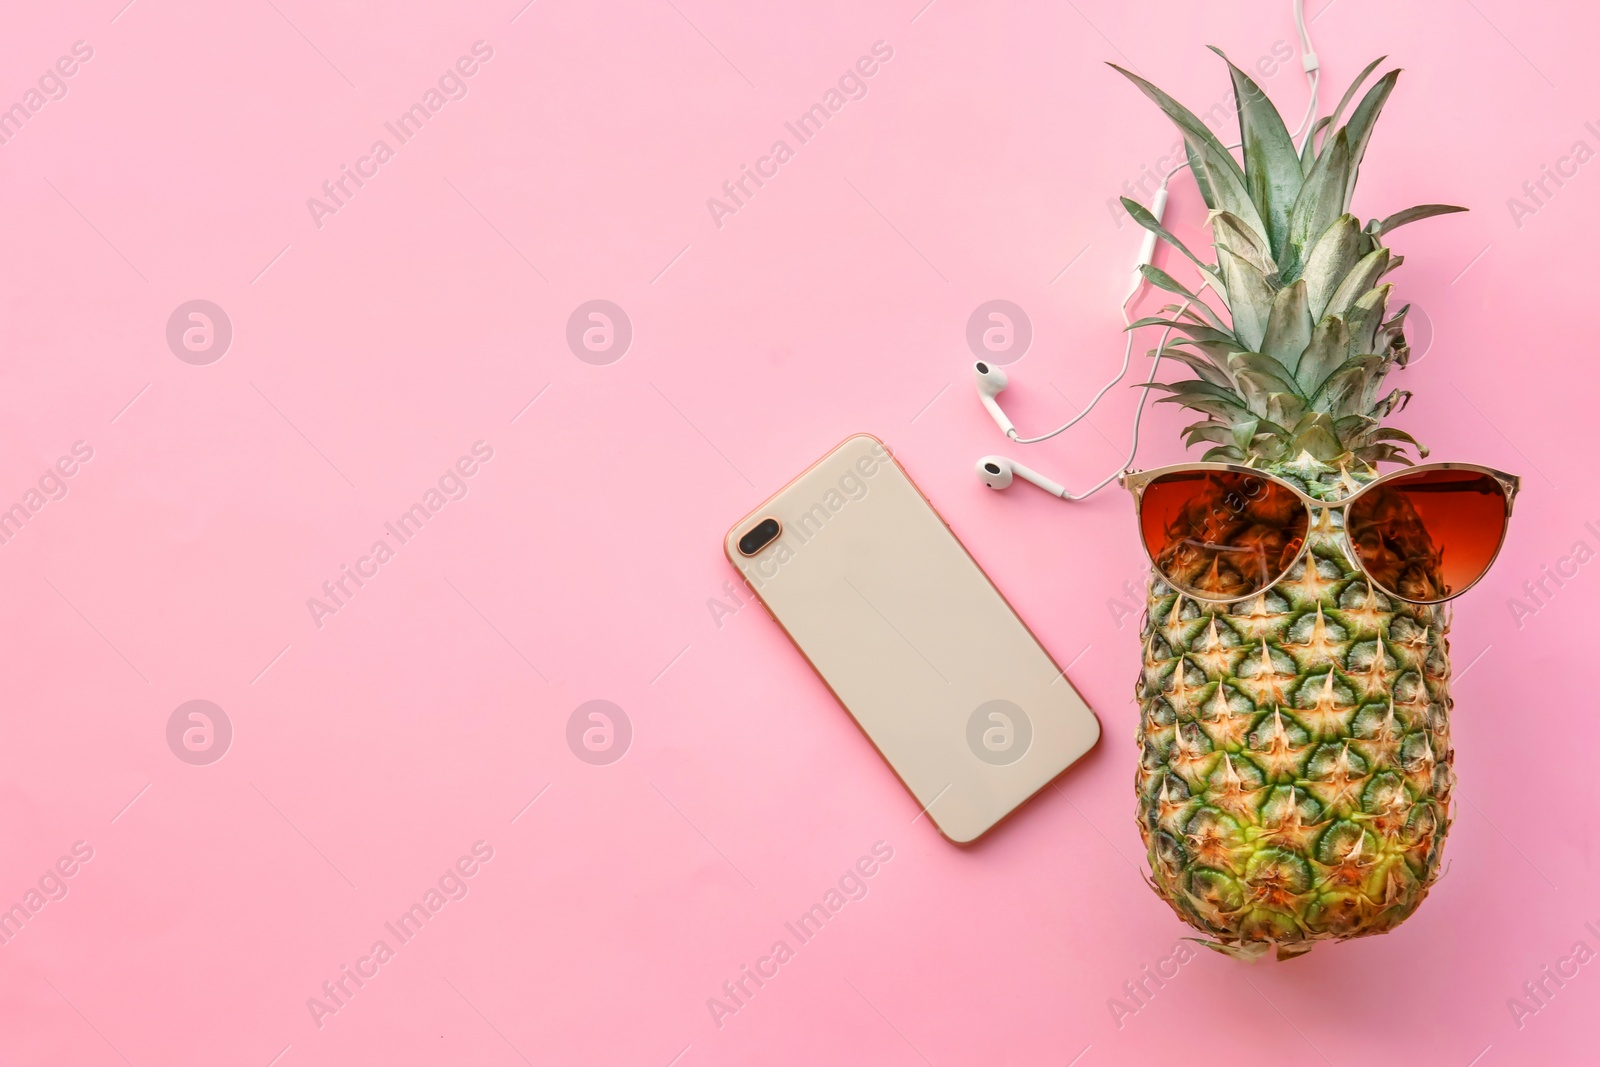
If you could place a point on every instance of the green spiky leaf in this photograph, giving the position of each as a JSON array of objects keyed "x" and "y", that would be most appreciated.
[
  {"x": 1191, "y": 389},
  {"x": 1308, "y": 148},
  {"x": 1216, "y": 351},
  {"x": 1411, "y": 214},
  {"x": 1332, "y": 257},
  {"x": 1142, "y": 216},
  {"x": 1330, "y": 343},
  {"x": 1233, "y": 233},
  {"x": 1354, "y": 427},
  {"x": 1362, "y": 277},
  {"x": 1365, "y": 320},
  {"x": 1389, "y": 433},
  {"x": 1265, "y": 368},
  {"x": 1373, "y": 455},
  {"x": 1194, "y": 131},
  {"x": 1350, "y": 93},
  {"x": 1185, "y": 311},
  {"x": 1197, "y": 331},
  {"x": 1360, "y": 126},
  {"x": 1289, "y": 326},
  {"x": 1320, "y": 202},
  {"x": 1345, "y": 386},
  {"x": 1272, "y": 174},
  {"x": 1219, "y": 174},
  {"x": 1245, "y": 432},
  {"x": 1390, "y": 336},
  {"x": 1214, "y": 432},
  {"x": 1250, "y": 297},
  {"x": 1259, "y": 395},
  {"x": 1208, "y": 371},
  {"x": 1200, "y": 180},
  {"x": 1204, "y": 397},
  {"x": 1162, "y": 280},
  {"x": 1314, "y": 434},
  {"x": 1396, "y": 400},
  {"x": 1285, "y": 409}
]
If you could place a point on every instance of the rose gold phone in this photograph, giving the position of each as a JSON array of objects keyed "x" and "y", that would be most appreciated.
[{"x": 912, "y": 637}]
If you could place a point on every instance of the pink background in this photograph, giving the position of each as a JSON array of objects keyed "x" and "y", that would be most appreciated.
[{"x": 372, "y": 352}]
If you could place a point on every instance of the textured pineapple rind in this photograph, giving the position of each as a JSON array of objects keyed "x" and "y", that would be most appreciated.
[{"x": 1311, "y": 801}]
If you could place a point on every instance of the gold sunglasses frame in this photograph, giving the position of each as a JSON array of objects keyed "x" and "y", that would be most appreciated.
[{"x": 1135, "y": 482}]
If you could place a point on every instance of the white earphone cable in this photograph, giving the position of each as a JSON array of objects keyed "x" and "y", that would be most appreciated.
[
  {"x": 1122, "y": 372},
  {"x": 1138, "y": 412}
]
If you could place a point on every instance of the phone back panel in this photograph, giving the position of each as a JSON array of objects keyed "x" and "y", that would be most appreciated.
[{"x": 914, "y": 640}]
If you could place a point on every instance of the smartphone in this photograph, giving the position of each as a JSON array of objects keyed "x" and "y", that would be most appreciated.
[{"x": 873, "y": 588}]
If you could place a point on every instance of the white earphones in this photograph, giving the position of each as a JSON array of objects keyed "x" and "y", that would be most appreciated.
[
  {"x": 991, "y": 381},
  {"x": 996, "y": 471}
]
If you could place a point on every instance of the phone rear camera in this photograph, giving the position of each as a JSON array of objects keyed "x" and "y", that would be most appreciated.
[{"x": 759, "y": 536}]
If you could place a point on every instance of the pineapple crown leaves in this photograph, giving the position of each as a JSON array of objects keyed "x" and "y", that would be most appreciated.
[{"x": 1298, "y": 367}]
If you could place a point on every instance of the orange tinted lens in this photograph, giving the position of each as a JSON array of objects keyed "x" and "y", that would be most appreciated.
[
  {"x": 1427, "y": 536},
  {"x": 1221, "y": 535}
]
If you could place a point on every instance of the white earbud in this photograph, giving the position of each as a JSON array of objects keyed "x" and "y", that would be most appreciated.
[
  {"x": 991, "y": 383},
  {"x": 998, "y": 471}
]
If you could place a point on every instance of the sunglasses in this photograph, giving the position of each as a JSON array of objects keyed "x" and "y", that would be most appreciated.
[{"x": 1222, "y": 533}]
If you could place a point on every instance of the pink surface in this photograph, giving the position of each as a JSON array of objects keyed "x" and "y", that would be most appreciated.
[{"x": 375, "y": 747}]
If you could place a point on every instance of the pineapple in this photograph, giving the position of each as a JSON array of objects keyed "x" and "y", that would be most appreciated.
[{"x": 1295, "y": 770}]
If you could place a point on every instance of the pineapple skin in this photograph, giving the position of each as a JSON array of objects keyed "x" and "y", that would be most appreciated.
[{"x": 1295, "y": 765}]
